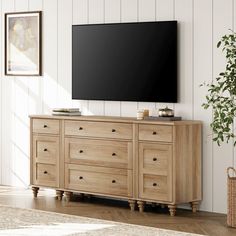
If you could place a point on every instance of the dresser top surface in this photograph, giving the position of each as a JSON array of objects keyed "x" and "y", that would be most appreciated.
[{"x": 115, "y": 119}]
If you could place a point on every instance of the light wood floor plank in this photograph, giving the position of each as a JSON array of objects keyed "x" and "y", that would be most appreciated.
[{"x": 201, "y": 222}]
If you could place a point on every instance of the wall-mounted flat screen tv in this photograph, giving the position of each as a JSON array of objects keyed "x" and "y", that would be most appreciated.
[{"x": 125, "y": 61}]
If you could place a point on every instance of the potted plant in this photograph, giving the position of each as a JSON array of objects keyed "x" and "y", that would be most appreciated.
[{"x": 221, "y": 98}]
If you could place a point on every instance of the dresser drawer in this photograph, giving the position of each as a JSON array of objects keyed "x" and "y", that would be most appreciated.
[
  {"x": 105, "y": 153},
  {"x": 155, "y": 187},
  {"x": 45, "y": 149},
  {"x": 46, "y": 126},
  {"x": 45, "y": 174},
  {"x": 155, "y": 158},
  {"x": 160, "y": 133},
  {"x": 103, "y": 180},
  {"x": 98, "y": 129}
]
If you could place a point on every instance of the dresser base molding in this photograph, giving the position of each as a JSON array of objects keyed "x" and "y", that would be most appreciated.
[{"x": 138, "y": 161}]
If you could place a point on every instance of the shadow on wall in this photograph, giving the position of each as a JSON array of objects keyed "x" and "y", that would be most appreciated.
[{"x": 26, "y": 96}]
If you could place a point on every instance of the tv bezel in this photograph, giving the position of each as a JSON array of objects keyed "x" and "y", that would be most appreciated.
[{"x": 130, "y": 100}]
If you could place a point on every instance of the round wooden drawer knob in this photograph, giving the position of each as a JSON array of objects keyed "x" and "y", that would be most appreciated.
[
  {"x": 45, "y": 149},
  {"x": 154, "y": 184},
  {"x": 154, "y": 159},
  {"x": 113, "y": 130},
  {"x": 81, "y": 151},
  {"x": 80, "y": 128},
  {"x": 45, "y": 172},
  {"x": 81, "y": 177},
  {"x": 113, "y": 154},
  {"x": 154, "y": 132},
  {"x": 113, "y": 181},
  {"x": 45, "y": 126}
]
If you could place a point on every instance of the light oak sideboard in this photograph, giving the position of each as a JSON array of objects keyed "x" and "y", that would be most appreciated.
[{"x": 124, "y": 158}]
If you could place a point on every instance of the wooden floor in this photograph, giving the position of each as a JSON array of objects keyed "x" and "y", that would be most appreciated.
[{"x": 200, "y": 222}]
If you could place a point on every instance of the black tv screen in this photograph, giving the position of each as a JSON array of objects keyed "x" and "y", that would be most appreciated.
[{"x": 125, "y": 61}]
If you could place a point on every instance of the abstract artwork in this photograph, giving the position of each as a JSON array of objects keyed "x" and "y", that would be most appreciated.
[{"x": 23, "y": 43}]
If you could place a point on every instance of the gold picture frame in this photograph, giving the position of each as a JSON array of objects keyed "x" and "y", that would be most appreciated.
[{"x": 23, "y": 43}]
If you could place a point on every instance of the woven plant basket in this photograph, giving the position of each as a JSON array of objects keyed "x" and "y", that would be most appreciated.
[{"x": 231, "y": 214}]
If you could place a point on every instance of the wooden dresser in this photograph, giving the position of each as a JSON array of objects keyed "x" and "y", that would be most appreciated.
[{"x": 141, "y": 161}]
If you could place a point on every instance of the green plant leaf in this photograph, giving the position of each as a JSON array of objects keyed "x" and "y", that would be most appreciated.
[{"x": 221, "y": 93}]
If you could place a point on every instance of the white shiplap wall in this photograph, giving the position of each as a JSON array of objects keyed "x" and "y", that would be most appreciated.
[{"x": 201, "y": 23}]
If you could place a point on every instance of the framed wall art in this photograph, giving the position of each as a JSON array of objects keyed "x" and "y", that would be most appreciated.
[{"x": 23, "y": 43}]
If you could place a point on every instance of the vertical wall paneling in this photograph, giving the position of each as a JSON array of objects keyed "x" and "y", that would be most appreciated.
[
  {"x": 20, "y": 112},
  {"x": 112, "y": 11},
  {"x": 50, "y": 54},
  {"x": 80, "y": 16},
  {"x": 36, "y": 83},
  {"x": 164, "y": 12},
  {"x": 64, "y": 53},
  {"x": 129, "y": 13},
  {"x": 147, "y": 12},
  {"x": 1, "y": 72},
  {"x": 222, "y": 21},
  {"x": 129, "y": 10},
  {"x": 96, "y": 11},
  {"x": 7, "y": 108},
  {"x": 112, "y": 15},
  {"x": 203, "y": 73},
  {"x": 201, "y": 23},
  {"x": 183, "y": 13},
  {"x": 234, "y": 123},
  {"x": 234, "y": 29},
  {"x": 21, "y": 5},
  {"x": 96, "y": 15},
  {"x": 35, "y": 5},
  {"x": 80, "y": 12}
]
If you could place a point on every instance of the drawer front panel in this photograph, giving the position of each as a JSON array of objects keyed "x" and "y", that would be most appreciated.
[
  {"x": 98, "y": 180},
  {"x": 155, "y": 158},
  {"x": 45, "y": 174},
  {"x": 45, "y": 149},
  {"x": 46, "y": 126},
  {"x": 160, "y": 133},
  {"x": 99, "y": 152},
  {"x": 98, "y": 129},
  {"x": 155, "y": 187}
]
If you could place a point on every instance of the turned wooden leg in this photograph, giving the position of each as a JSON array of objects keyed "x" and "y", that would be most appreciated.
[
  {"x": 172, "y": 209},
  {"x": 59, "y": 194},
  {"x": 35, "y": 191},
  {"x": 68, "y": 196},
  {"x": 141, "y": 206},
  {"x": 194, "y": 206},
  {"x": 132, "y": 204}
]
